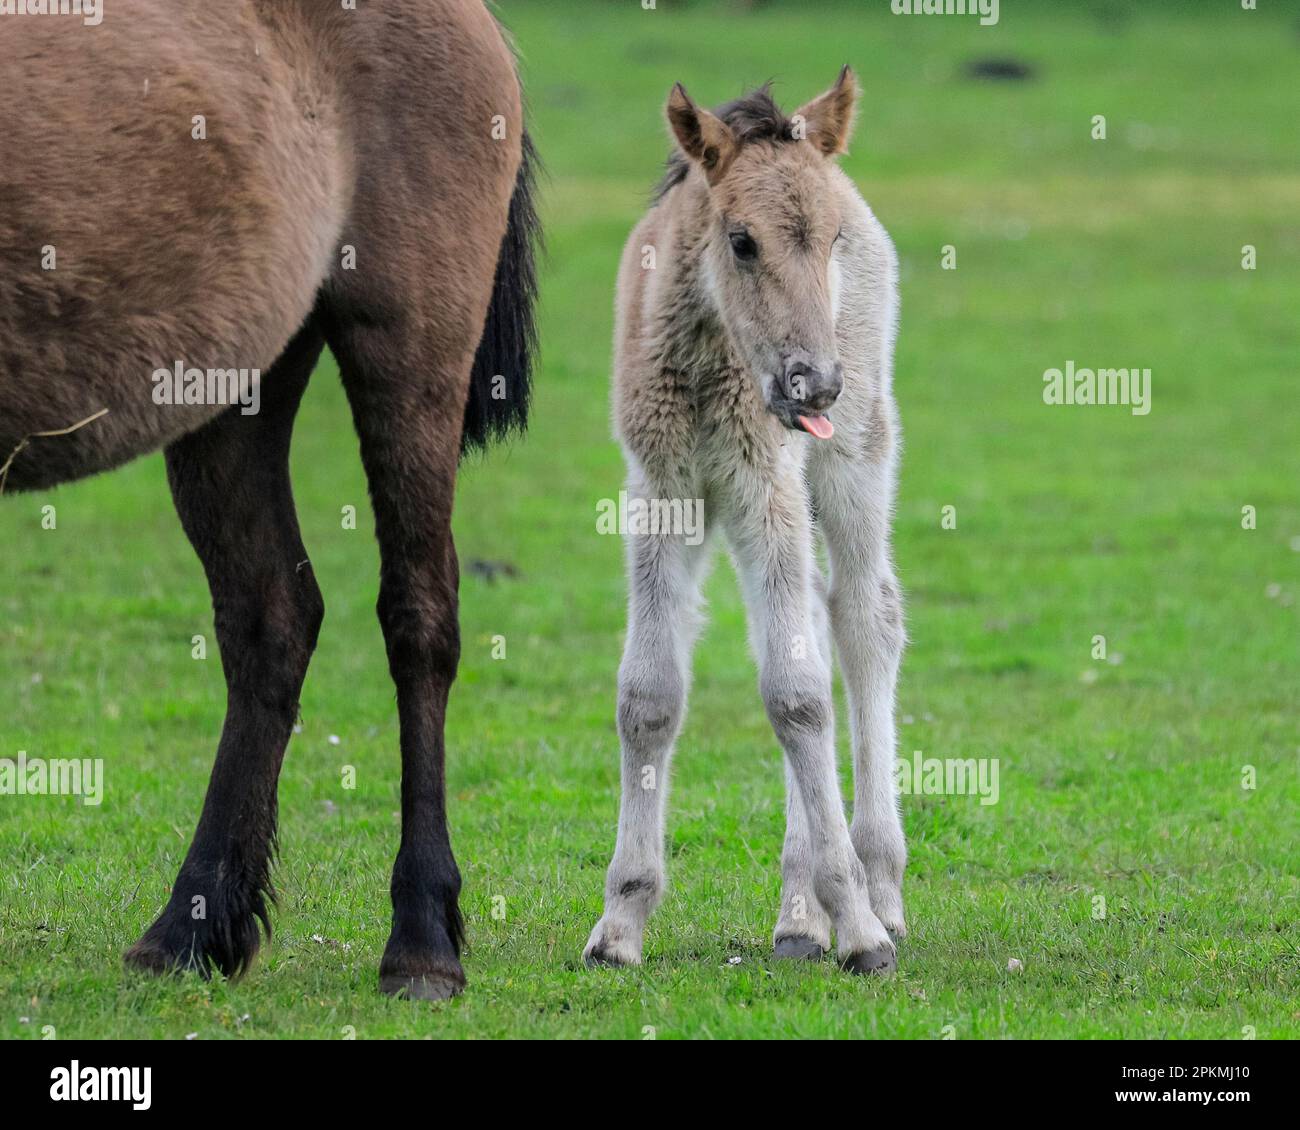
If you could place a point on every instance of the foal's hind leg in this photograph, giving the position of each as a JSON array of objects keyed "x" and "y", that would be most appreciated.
[{"x": 230, "y": 482}]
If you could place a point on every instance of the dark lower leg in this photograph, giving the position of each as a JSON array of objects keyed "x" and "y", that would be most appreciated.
[
  {"x": 410, "y": 443},
  {"x": 231, "y": 487},
  {"x": 421, "y": 957}
]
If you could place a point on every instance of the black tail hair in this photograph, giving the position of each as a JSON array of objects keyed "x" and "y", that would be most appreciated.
[{"x": 500, "y": 386}]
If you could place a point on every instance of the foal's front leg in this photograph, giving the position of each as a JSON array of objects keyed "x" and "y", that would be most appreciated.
[
  {"x": 803, "y": 928},
  {"x": 664, "y": 575},
  {"x": 853, "y": 497},
  {"x": 773, "y": 546}
]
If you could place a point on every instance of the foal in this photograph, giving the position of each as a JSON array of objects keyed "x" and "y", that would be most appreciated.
[{"x": 769, "y": 314}]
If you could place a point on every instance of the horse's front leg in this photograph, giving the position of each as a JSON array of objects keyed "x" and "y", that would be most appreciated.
[
  {"x": 664, "y": 577},
  {"x": 772, "y": 542},
  {"x": 230, "y": 483}
]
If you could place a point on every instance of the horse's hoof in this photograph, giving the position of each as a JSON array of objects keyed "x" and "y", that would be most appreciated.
[
  {"x": 797, "y": 947},
  {"x": 146, "y": 957},
  {"x": 430, "y": 987},
  {"x": 163, "y": 957},
  {"x": 226, "y": 941},
  {"x": 879, "y": 962}
]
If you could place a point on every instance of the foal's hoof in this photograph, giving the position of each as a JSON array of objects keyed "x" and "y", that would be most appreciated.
[
  {"x": 430, "y": 987},
  {"x": 879, "y": 962},
  {"x": 798, "y": 947},
  {"x": 607, "y": 958},
  {"x": 613, "y": 943}
]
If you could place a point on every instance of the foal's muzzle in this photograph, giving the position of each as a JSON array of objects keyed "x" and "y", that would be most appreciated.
[
  {"x": 812, "y": 389},
  {"x": 805, "y": 390}
]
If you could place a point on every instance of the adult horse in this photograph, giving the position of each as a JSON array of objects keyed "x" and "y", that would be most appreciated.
[{"x": 200, "y": 188}]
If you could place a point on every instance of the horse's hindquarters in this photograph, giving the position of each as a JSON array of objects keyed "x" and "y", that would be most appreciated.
[{"x": 166, "y": 220}]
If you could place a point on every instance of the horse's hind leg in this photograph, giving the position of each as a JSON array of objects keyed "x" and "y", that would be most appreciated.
[
  {"x": 230, "y": 483},
  {"x": 408, "y": 400},
  {"x": 405, "y": 323}
]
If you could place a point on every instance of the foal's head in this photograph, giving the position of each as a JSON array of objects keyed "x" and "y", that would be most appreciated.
[{"x": 772, "y": 220}]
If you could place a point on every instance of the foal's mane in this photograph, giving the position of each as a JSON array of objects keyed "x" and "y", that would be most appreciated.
[{"x": 752, "y": 117}]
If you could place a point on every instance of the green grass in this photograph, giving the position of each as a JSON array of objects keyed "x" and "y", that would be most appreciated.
[{"x": 1118, "y": 779}]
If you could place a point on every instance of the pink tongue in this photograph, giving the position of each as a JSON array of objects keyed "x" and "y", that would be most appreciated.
[{"x": 818, "y": 426}]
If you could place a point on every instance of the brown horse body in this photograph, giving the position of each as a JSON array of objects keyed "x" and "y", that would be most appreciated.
[{"x": 232, "y": 187}]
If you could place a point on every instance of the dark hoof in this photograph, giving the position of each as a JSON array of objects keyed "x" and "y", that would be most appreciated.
[
  {"x": 147, "y": 956},
  {"x": 430, "y": 987},
  {"x": 797, "y": 947},
  {"x": 877, "y": 962},
  {"x": 224, "y": 939},
  {"x": 424, "y": 964},
  {"x": 168, "y": 948}
]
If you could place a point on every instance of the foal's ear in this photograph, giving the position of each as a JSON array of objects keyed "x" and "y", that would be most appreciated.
[
  {"x": 703, "y": 137},
  {"x": 828, "y": 119}
]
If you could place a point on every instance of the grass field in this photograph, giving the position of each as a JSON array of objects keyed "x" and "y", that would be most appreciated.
[{"x": 1120, "y": 778}]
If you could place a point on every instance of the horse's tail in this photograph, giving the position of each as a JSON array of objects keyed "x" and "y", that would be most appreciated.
[{"x": 500, "y": 385}]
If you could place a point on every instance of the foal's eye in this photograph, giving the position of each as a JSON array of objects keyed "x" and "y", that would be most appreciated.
[{"x": 742, "y": 243}]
